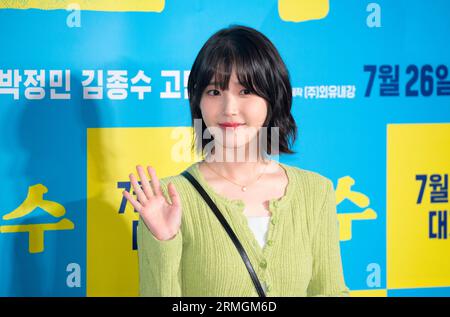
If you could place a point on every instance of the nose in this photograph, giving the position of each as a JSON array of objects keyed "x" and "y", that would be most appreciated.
[{"x": 230, "y": 105}]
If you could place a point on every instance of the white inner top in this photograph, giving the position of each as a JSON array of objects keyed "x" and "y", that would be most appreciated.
[{"x": 259, "y": 226}]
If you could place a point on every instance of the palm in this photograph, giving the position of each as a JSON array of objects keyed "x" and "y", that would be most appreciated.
[{"x": 163, "y": 218}]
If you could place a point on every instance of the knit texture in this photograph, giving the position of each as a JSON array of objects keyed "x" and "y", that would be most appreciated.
[{"x": 300, "y": 258}]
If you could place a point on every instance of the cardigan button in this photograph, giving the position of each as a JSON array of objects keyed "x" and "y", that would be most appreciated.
[
  {"x": 263, "y": 264},
  {"x": 273, "y": 221},
  {"x": 270, "y": 243}
]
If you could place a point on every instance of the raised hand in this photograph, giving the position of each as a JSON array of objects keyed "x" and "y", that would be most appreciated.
[{"x": 161, "y": 217}]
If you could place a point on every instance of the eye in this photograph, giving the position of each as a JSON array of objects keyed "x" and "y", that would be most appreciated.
[
  {"x": 213, "y": 90},
  {"x": 247, "y": 90}
]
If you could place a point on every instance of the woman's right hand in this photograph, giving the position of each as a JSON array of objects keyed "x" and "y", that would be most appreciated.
[{"x": 162, "y": 218}]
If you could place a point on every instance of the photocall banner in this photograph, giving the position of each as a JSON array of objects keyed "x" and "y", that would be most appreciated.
[{"x": 90, "y": 89}]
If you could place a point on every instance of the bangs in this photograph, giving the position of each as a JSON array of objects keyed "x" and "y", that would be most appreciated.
[{"x": 220, "y": 65}]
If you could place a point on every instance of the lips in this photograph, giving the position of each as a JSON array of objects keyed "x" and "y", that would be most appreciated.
[{"x": 230, "y": 124}]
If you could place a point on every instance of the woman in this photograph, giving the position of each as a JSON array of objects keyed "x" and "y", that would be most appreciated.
[{"x": 285, "y": 217}]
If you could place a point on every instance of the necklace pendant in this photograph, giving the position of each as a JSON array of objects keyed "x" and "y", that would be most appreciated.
[{"x": 244, "y": 188}]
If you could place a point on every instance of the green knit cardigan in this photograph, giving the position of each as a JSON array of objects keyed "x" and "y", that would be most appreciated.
[{"x": 300, "y": 258}]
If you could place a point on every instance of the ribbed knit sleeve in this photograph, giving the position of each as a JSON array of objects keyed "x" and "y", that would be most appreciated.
[
  {"x": 327, "y": 276},
  {"x": 159, "y": 261}
]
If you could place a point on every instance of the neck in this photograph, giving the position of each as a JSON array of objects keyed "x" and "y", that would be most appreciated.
[{"x": 239, "y": 169}]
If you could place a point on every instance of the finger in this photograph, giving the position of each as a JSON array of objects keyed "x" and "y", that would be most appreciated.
[
  {"x": 144, "y": 182},
  {"x": 174, "y": 197},
  {"x": 137, "y": 206},
  {"x": 155, "y": 181},
  {"x": 137, "y": 189}
]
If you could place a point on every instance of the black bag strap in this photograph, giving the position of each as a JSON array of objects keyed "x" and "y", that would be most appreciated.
[{"x": 228, "y": 229}]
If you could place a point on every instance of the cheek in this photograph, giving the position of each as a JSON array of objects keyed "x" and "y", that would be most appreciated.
[
  {"x": 257, "y": 112},
  {"x": 208, "y": 111}
]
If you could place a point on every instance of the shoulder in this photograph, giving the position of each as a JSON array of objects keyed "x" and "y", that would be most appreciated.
[
  {"x": 316, "y": 195},
  {"x": 311, "y": 189},
  {"x": 183, "y": 187},
  {"x": 179, "y": 181},
  {"x": 310, "y": 180}
]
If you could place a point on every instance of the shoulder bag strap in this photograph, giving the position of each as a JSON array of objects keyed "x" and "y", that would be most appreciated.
[{"x": 228, "y": 229}]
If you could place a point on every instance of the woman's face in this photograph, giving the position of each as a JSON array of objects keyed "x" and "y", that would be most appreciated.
[{"x": 235, "y": 105}]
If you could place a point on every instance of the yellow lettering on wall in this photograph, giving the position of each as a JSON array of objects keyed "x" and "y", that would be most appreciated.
[
  {"x": 302, "y": 10},
  {"x": 93, "y": 5}
]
